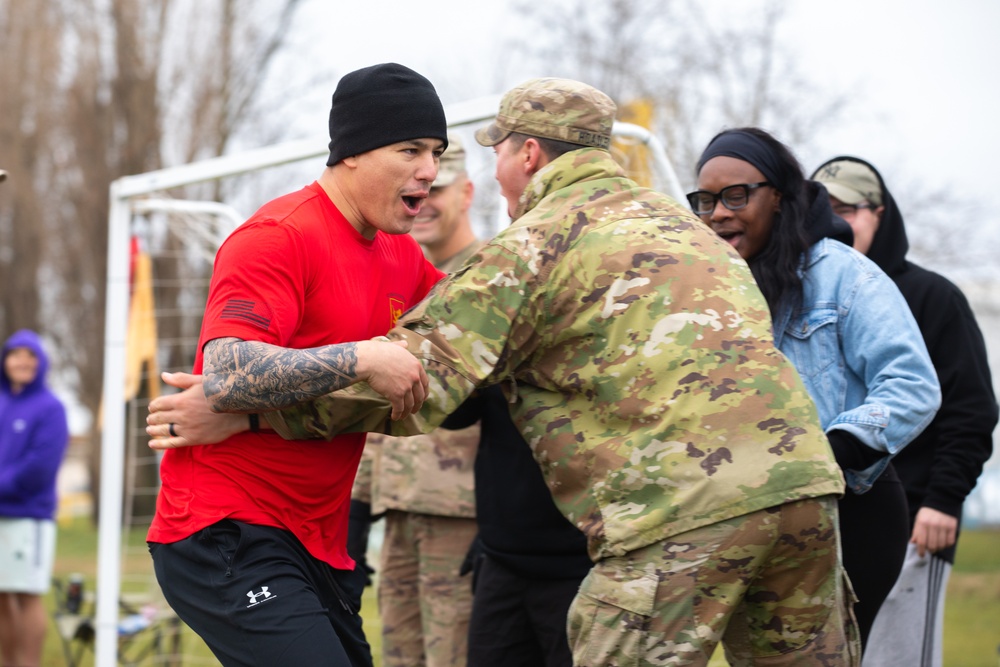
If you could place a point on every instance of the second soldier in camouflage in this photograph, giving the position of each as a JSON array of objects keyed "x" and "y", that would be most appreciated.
[{"x": 636, "y": 352}]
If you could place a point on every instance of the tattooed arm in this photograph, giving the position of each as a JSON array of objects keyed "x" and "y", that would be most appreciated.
[{"x": 248, "y": 376}]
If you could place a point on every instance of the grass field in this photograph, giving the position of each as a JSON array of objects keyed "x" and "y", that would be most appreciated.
[{"x": 972, "y": 612}]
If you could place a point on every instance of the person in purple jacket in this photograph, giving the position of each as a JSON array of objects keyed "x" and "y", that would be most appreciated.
[{"x": 33, "y": 438}]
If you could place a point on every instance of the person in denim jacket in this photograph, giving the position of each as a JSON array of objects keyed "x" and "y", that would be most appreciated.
[{"x": 846, "y": 328}]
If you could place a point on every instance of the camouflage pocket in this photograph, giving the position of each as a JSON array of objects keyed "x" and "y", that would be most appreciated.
[
  {"x": 851, "y": 630},
  {"x": 609, "y": 620}
]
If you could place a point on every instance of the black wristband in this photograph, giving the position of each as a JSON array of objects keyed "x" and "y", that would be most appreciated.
[{"x": 254, "y": 422}]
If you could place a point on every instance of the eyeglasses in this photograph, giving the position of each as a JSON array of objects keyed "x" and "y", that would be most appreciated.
[
  {"x": 850, "y": 209},
  {"x": 733, "y": 197}
]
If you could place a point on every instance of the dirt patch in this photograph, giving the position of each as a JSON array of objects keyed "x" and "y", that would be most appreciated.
[{"x": 980, "y": 585}]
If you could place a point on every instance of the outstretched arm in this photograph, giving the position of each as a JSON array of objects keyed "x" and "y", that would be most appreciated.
[{"x": 249, "y": 376}]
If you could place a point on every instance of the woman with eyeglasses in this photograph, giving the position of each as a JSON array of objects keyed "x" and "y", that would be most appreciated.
[{"x": 846, "y": 328}]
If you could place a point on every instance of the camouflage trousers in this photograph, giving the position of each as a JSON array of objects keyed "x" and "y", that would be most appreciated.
[
  {"x": 769, "y": 585},
  {"x": 424, "y": 604}
]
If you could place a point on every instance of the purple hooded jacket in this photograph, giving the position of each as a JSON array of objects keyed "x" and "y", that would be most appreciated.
[{"x": 33, "y": 438}]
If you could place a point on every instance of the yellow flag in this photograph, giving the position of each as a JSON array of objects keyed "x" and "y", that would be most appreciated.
[
  {"x": 140, "y": 344},
  {"x": 631, "y": 154}
]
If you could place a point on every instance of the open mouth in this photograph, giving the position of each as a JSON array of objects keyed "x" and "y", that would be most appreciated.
[
  {"x": 412, "y": 203},
  {"x": 730, "y": 236}
]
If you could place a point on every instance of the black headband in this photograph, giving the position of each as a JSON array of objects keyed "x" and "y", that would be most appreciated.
[{"x": 744, "y": 146}]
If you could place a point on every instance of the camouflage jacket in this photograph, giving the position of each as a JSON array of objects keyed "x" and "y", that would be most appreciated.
[
  {"x": 636, "y": 351},
  {"x": 424, "y": 474}
]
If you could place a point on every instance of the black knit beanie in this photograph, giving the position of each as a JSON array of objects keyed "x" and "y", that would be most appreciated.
[{"x": 381, "y": 105}]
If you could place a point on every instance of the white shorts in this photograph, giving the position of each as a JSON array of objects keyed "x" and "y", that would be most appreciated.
[{"x": 27, "y": 553}]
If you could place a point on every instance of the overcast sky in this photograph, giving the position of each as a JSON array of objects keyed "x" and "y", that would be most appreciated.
[
  {"x": 923, "y": 74},
  {"x": 927, "y": 73}
]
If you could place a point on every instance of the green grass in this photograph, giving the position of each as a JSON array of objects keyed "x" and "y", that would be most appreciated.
[
  {"x": 76, "y": 552},
  {"x": 972, "y": 607},
  {"x": 972, "y": 611}
]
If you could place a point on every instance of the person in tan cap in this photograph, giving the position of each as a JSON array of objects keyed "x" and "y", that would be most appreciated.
[
  {"x": 443, "y": 227},
  {"x": 940, "y": 467},
  {"x": 557, "y": 116},
  {"x": 856, "y": 196},
  {"x": 635, "y": 354},
  {"x": 423, "y": 484}
]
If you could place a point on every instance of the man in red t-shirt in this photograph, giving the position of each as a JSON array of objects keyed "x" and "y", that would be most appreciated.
[{"x": 249, "y": 537}]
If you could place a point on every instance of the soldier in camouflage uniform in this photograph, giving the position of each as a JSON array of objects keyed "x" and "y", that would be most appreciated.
[
  {"x": 636, "y": 352},
  {"x": 424, "y": 483}
]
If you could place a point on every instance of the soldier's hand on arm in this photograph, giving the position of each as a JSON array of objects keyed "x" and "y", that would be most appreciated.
[
  {"x": 188, "y": 412},
  {"x": 933, "y": 530},
  {"x": 390, "y": 369}
]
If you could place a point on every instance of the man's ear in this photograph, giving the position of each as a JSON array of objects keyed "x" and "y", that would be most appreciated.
[
  {"x": 878, "y": 213},
  {"x": 533, "y": 157},
  {"x": 468, "y": 191}
]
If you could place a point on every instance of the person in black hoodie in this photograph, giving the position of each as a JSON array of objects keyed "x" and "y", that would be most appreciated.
[
  {"x": 833, "y": 311},
  {"x": 528, "y": 560},
  {"x": 940, "y": 467}
]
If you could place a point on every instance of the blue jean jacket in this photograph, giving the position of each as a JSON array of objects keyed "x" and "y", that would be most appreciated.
[{"x": 860, "y": 353}]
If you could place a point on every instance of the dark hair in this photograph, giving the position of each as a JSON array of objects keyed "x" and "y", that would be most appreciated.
[
  {"x": 552, "y": 148},
  {"x": 776, "y": 266}
]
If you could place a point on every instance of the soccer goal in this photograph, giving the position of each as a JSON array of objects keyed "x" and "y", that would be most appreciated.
[{"x": 160, "y": 254}]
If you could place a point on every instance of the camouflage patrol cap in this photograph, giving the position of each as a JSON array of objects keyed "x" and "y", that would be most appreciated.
[
  {"x": 452, "y": 163},
  {"x": 560, "y": 109},
  {"x": 850, "y": 181}
]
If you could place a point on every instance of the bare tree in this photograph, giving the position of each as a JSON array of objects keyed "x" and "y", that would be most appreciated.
[
  {"x": 95, "y": 90},
  {"x": 701, "y": 73},
  {"x": 29, "y": 80}
]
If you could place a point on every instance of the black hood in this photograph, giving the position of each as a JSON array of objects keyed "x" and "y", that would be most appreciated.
[
  {"x": 890, "y": 245},
  {"x": 821, "y": 223}
]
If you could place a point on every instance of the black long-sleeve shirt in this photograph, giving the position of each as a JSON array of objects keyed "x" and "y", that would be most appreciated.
[
  {"x": 519, "y": 524},
  {"x": 941, "y": 466}
]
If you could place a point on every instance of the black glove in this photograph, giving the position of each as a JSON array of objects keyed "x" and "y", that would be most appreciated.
[
  {"x": 850, "y": 452},
  {"x": 359, "y": 526}
]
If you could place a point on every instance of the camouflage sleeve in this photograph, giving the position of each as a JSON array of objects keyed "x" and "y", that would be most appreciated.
[
  {"x": 354, "y": 409},
  {"x": 362, "y": 489},
  {"x": 474, "y": 326}
]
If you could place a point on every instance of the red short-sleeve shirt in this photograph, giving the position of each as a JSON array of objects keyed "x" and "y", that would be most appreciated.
[{"x": 298, "y": 275}]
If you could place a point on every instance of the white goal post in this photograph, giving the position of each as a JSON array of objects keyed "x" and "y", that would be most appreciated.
[{"x": 132, "y": 195}]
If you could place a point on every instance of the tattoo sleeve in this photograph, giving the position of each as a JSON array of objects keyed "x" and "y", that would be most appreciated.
[{"x": 249, "y": 376}]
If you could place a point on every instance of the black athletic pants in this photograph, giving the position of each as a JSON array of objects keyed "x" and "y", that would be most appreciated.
[
  {"x": 259, "y": 599},
  {"x": 874, "y": 531},
  {"x": 519, "y": 622}
]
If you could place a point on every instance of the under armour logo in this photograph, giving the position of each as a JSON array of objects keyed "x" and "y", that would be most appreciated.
[
  {"x": 255, "y": 598},
  {"x": 831, "y": 170}
]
